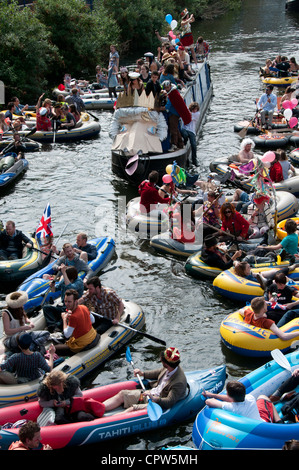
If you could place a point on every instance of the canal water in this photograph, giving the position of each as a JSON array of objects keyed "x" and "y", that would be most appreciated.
[{"x": 77, "y": 181}]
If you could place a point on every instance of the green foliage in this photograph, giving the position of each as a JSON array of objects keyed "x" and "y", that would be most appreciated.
[{"x": 27, "y": 54}]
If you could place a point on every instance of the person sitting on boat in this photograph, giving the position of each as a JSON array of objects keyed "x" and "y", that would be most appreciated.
[
  {"x": 68, "y": 119},
  {"x": 288, "y": 246},
  {"x": 202, "y": 48},
  {"x": 210, "y": 211},
  {"x": 75, "y": 112},
  {"x": 169, "y": 386},
  {"x": 47, "y": 103},
  {"x": 145, "y": 74},
  {"x": 215, "y": 254},
  {"x": 287, "y": 96},
  {"x": 56, "y": 393},
  {"x": 12, "y": 242},
  {"x": 237, "y": 401},
  {"x": 275, "y": 171},
  {"x": 285, "y": 164},
  {"x": 4, "y": 126},
  {"x": 280, "y": 298},
  {"x": 294, "y": 67},
  {"x": 87, "y": 251},
  {"x": 77, "y": 326},
  {"x": 75, "y": 99},
  {"x": 25, "y": 365},
  {"x": 246, "y": 151},
  {"x": 70, "y": 258},
  {"x": 233, "y": 222},
  {"x": 283, "y": 67},
  {"x": 257, "y": 315},
  {"x": 149, "y": 194},
  {"x": 266, "y": 71},
  {"x": 103, "y": 301},
  {"x": 188, "y": 131},
  {"x": 266, "y": 106},
  {"x": 43, "y": 123},
  {"x": 29, "y": 438},
  {"x": 70, "y": 280},
  {"x": 243, "y": 269},
  {"x": 19, "y": 108},
  {"x": 16, "y": 146},
  {"x": 15, "y": 321},
  {"x": 287, "y": 386},
  {"x": 185, "y": 231},
  {"x": 259, "y": 216}
]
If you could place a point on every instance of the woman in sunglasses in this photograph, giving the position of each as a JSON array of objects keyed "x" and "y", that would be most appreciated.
[{"x": 233, "y": 222}]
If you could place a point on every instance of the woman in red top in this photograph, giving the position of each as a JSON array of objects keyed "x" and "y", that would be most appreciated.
[
  {"x": 275, "y": 172},
  {"x": 233, "y": 222}
]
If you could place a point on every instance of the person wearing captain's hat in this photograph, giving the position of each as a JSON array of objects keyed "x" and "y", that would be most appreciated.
[{"x": 169, "y": 385}]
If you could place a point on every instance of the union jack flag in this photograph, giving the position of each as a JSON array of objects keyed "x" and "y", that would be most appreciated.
[{"x": 45, "y": 227}]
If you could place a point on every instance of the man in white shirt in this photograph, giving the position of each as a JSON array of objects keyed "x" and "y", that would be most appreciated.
[
  {"x": 236, "y": 401},
  {"x": 266, "y": 105}
]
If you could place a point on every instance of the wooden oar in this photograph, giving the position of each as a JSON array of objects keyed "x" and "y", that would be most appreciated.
[
  {"x": 153, "y": 338},
  {"x": 243, "y": 132},
  {"x": 154, "y": 410},
  {"x": 92, "y": 115}
]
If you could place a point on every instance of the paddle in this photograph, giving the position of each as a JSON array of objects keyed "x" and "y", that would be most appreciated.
[
  {"x": 154, "y": 410},
  {"x": 281, "y": 360},
  {"x": 92, "y": 115},
  {"x": 243, "y": 132},
  {"x": 153, "y": 338}
]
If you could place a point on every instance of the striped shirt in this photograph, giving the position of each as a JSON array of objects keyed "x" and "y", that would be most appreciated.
[{"x": 26, "y": 365}]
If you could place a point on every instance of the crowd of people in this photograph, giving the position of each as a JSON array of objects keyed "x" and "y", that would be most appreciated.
[{"x": 281, "y": 66}]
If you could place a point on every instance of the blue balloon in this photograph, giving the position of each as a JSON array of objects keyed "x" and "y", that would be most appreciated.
[
  {"x": 177, "y": 40},
  {"x": 168, "y": 18}
]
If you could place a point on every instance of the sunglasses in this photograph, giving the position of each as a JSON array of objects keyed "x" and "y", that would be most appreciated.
[{"x": 228, "y": 212}]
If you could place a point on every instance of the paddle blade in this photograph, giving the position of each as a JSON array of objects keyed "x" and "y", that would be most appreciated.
[
  {"x": 280, "y": 358},
  {"x": 154, "y": 410},
  {"x": 243, "y": 132},
  {"x": 128, "y": 355}
]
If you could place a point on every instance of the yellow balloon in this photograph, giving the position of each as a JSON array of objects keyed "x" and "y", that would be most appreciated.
[{"x": 169, "y": 169}]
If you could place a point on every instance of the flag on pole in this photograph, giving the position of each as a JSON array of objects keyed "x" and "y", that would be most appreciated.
[{"x": 45, "y": 226}]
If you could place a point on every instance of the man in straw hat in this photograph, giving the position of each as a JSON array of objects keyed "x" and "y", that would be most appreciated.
[{"x": 169, "y": 385}]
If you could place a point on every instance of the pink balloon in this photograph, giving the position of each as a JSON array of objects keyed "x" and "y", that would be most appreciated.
[
  {"x": 294, "y": 102},
  {"x": 173, "y": 36},
  {"x": 268, "y": 157},
  {"x": 286, "y": 104},
  {"x": 293, "y": 122}
]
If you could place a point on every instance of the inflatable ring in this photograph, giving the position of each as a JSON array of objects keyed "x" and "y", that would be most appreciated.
[
  {"x": 280, "y": 232},
  {"x": 272, "y": 141}
]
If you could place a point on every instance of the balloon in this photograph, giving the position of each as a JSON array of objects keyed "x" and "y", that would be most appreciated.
[
  {"x": 286, "y": 104},
  {"x": 288, "y": 113},
  {"x": 171, "y": 35},
  {"x": 293, "y": 122},
  {"x": 169, "y": 169},
  {"x": 173, "y": 24},
  {"x": 177, "y": 40},
  {"x": 173, "y": 42},
  {"x": 294, "y": 102},
  {"x": 268, "y": 157},
  {"x": 168, "y": 18}
]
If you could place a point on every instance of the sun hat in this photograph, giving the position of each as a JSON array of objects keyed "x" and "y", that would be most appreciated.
[
  {"x": 210, "y": 241},
  {"x": 43, "y": 111},
  {"x": 16, "y": 299},
  {"x": 134, "y": 75}
]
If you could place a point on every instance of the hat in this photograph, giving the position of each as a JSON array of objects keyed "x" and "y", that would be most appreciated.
[
  {"x": 43, "y": 111},
  {"x": 148, "y": 54},
  {"x": 181, "y": 48},
  {"x": 16, "y": 299},
  {"x": 210, "y": 241},
  {"x": 134, "y": 75},
  {"x": 259, "y": 199},
  {"x": 73, "y": 82},
  {"x": 171, "y": 356},
  {"x": 165, "y": 56},
  {"x": 123, "y": 69},
  {"x": 184, "y": 13},
  {"x": 167, "y": 179},
  {"x": 25, "y": 340},
  {"x": 166, "y": 83}
]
